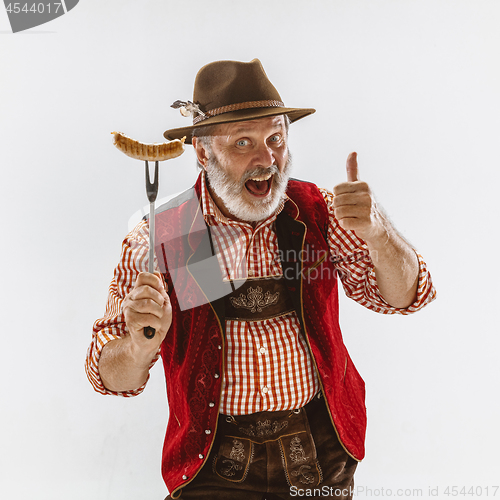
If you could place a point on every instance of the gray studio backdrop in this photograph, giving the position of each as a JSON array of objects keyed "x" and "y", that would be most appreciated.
[{"x": 412, "y": 86}]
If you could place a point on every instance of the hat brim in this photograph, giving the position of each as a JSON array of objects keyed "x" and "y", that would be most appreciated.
[{"x": 237, "y": 116}]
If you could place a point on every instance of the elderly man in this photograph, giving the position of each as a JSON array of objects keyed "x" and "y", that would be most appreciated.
[{"x": 264, "y": 399}]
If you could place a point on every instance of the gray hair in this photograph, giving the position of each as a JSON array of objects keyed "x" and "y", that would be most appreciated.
[{"x": 205, "y": 135}]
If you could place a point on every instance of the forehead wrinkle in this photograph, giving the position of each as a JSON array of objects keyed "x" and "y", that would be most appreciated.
[{"x": 249, "y": 126}]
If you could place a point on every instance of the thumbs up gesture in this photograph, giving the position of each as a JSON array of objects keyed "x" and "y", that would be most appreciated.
[{"x": 354, "y": 206}]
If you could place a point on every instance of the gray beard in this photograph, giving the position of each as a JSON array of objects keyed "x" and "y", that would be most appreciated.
[{"x": 230, "y": 190}]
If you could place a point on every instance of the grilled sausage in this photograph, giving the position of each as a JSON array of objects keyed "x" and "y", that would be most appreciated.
[{"x": 150, "y": 152}]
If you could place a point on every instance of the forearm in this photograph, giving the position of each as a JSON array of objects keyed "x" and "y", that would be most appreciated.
[
  {"x": 396, "y": 267},
  {"x": 123, "y": 366}
]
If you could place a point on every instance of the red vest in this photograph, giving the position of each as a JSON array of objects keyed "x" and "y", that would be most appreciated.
[{"x": 193, "y": 350}]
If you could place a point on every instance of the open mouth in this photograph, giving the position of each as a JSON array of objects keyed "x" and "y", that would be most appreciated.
[{"x": 259, "y": 186}]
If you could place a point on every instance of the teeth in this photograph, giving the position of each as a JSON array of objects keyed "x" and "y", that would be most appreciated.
[{"x": 262, "y": 178}]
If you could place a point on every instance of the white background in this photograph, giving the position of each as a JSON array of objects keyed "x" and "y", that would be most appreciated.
[{"x": 413, "y": 86}]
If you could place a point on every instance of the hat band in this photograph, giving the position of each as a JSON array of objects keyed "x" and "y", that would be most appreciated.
[{"x": 237, "y": 107}]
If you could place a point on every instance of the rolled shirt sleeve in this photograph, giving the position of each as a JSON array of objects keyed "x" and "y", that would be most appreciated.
[
  {"x": 357, "y": 272},
  {"x": 133, "y": 260}
]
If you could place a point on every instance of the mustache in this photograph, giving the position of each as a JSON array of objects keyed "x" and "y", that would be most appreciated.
[{"x": 259, "y": 171}]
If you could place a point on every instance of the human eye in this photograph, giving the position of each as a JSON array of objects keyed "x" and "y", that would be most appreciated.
[
  {"x": 275, "y": 138},
  {"x": 242, "y": 143}
]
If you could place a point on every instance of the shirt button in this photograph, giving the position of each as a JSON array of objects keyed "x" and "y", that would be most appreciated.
[
  {"x": 208, "y": 431},
  {"x": 262, "y": 350},
  {"x": 200, "y": 456},
  {"x": 216, "y": 375},
  {"x": 264, "y": 390},
  {"x": 250, "y": 272},
  {"x": 184, "y": 477},
  {"x": 211, "y": 405}
]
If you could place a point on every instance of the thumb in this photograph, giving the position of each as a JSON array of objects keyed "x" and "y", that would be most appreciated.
[{"x": 352, "y": 167}]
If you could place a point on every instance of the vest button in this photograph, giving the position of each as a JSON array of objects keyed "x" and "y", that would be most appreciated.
[
  {"x": 216, "y": 375},
  {"x": 184, "y": 477},
  {"x": 208, "y": 431},
  {"x": 200, "y": 456},
  {"x": 211, "y": 405}
]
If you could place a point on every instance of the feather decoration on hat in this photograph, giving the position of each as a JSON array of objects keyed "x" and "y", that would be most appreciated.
[{"x": 187, "y": 108}]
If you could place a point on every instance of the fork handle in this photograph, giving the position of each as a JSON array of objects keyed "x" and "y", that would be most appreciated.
[{"x": 152, "y": 190}]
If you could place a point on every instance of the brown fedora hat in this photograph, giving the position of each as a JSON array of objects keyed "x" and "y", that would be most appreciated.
[{"x": 232, "y": 91}]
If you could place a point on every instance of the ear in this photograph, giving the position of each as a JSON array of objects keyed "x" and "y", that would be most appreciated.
[{"x": 201, "y": 152}]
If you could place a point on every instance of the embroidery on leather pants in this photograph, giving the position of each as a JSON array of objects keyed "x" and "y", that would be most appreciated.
[
  {"x": 258, "y": 299},
  {"x": 298, "y": 456},
  {"x": 299, "y": 460},
  {"x": 237, "y": 453},
  {"x": 297, "y": 453},
  {"x": 233, "y": 459},
  {"x": 263, "y": 428},
  {"x": 255, "y": 300}
]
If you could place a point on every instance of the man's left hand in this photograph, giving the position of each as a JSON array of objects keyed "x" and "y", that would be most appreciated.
[{"x": 355, "y": 207}]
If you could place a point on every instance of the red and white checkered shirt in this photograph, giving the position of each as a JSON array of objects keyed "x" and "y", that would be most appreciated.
[{"x": 268, "y": 365}]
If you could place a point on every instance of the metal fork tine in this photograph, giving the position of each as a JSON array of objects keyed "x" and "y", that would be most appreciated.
[{"x": 151, "y": 188}]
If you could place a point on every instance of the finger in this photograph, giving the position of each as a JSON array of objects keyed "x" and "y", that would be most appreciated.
[
  {"x": 143, "y": 307},
  {"x": 348, "y": 187},
  {"x": 353, "y": 224},
  {"x": 163, "y": 285},
  {"x": 350, "y": 198},
  {"x": 152, "y": 315},
  {"x": 352, "y": 167},
  {"x": 146, "y": 292},
  {"x": 150, "y": 279},
  {"x": 361, "y": 212}
]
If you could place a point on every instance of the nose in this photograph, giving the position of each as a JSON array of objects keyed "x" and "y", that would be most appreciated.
[{"x": 264, "y": 156}]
